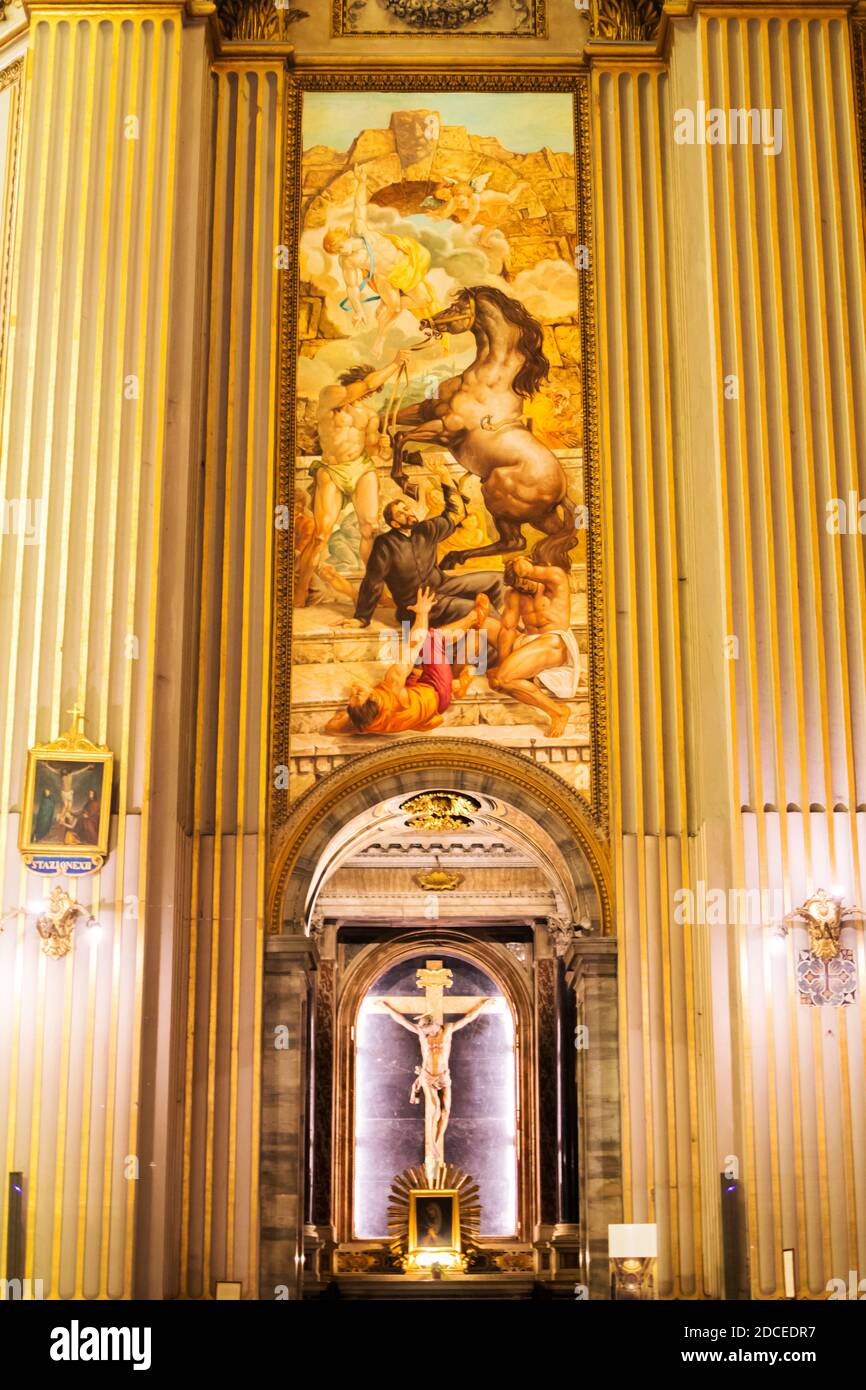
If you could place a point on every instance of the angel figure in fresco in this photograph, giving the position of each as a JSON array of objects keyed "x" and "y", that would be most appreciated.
[
  {"x": 471, "y": 203},
  {"x": 379, "y": 268}
]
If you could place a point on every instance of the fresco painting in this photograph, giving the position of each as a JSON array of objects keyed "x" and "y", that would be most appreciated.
[{"x": 439, "y": 513}]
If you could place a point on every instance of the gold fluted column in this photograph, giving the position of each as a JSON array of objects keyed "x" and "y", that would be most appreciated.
[
  {"x": 731, "y": 289},
  {"x": 637, "y": 289},
  {"x": 792, "y": 440},
  {"x": 99, "y": 432},
  {"x": 219, "y": 1195}
]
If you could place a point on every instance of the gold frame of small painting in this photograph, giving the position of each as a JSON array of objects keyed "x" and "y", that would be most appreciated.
[
  {"x": 439, "y": 1195},
  {"x": 66, "y": 811}
]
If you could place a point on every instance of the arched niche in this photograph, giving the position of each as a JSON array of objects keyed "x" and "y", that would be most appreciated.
[
  {"x": 306, "y": 1171},
  {"x": 371, "y": 965}
]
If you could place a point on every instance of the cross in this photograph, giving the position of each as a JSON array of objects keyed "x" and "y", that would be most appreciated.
[
  {"x": 434, "y": 1078},
  {"x": 434, "y": 980},
  {"x": 77, "y": 715}
]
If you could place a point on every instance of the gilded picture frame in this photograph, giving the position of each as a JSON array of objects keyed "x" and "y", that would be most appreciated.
[
  {"x": 434, "y": 1220},
  {"x": 66, "y": 809},
  {"x": 595, "y": 799}
]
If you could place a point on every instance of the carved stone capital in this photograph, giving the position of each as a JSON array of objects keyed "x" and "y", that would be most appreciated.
[
  {"x": 560, "y": 934},
  {"x": 563, "y": 934},
  {"x": 257, "y": 21},
  {"x": 628, "y": 21}
]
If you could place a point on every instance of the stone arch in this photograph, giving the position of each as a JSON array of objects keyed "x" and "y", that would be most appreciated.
[{"x": 411, "y": 766}]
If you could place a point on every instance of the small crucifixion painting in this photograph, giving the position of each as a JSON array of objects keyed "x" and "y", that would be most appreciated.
[{"x": 433, "y": 1076}]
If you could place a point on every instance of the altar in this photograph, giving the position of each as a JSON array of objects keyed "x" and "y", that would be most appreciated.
[{"x": 454, "y": 1126}]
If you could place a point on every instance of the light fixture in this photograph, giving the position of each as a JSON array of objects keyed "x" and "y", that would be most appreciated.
[
  {"x": 56, "y": 919},
  {"x": 823, "y": 914},
  {"x": 632, "y": 1251},
  {"x": 57, "y": 922}
]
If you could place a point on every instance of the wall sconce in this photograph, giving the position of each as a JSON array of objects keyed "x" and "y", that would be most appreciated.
[
  {"x": 826, "y": 973},
  {"x": 823, "y": 915},
  {"x": 58, "y": 921}
]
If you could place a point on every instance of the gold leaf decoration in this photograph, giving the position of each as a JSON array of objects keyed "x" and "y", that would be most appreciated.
[
  {"x": 633, "y": 21},
  {"x": 441, "y": 811},
  {"x": 438, "y": 880},
  {"x": 252, "y": 20},
  {"x": 447, "y": 1176}
]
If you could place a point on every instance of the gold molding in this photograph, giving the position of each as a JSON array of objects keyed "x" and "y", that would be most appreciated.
[
  {"x": 10, "y": 76},
  {"x": 341, "y": 79},
  {"x": 858, "y": 60}
]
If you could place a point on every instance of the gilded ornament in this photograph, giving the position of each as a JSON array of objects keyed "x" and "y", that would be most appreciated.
[
  {"x": 402, "y": 1205},
  {"x": 256, "y": 20},
  {"x": 439, "y": 14},
  {"x": 438, "y": 880},
  {"x": 515, "y": 1262},
  {"x": 357, "y": 17},
  {"x": 441, "y": 811},
  {"x": 57, "y": 923},
  {"x": 630, "y": 21},
  {"x": 824, "y": 914}
]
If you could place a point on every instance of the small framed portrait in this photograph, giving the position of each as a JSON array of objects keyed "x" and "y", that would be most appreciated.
[
  {"x": 66, "y": 811},
  {"x": 434, "y": 1220}
]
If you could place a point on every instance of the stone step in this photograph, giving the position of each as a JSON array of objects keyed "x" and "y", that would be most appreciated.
[
  {"x": 325, "y": 645},
  {"x": 312, "y": 757},
  {"x": 526, "y": 737},
  {"x": 480, "y": 707}
]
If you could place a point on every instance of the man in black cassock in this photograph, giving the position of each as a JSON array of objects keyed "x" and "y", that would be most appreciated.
[{"x": 405, "y": 558}]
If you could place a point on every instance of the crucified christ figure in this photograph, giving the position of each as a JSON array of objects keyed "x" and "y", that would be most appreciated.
[{"x": 433, "y": 1076}]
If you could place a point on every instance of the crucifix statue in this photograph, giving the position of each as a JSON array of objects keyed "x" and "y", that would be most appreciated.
[{"x": 433, "y": 1077}]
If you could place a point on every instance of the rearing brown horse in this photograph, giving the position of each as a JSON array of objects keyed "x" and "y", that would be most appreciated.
[{"x": 477, "y": 417}]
